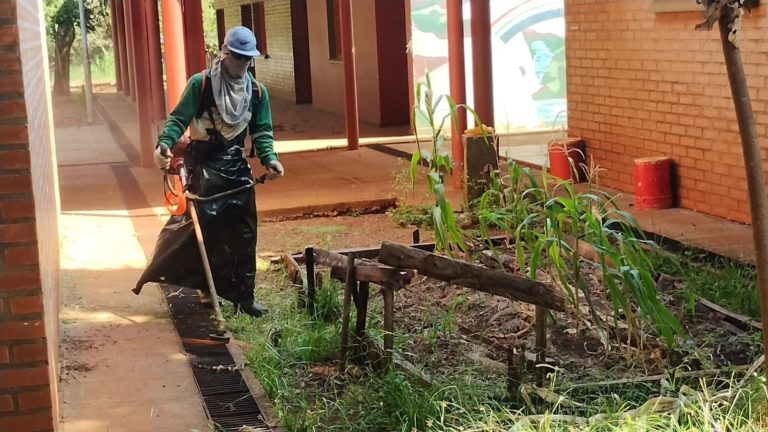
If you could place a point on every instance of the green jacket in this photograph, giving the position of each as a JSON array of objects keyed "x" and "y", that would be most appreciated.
[{"x": 260, "y": 126}]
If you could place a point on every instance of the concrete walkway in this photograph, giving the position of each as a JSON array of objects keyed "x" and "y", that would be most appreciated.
[{"x": 122, "y": 364}]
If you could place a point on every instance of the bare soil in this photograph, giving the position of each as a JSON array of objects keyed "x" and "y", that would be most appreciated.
[{"x": 332, "y": 233}]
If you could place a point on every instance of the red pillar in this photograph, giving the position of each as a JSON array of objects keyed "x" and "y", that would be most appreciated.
[
  {"x": 457, "y": 76},
  {"x": 130, "y": 42},
  {"x": 120, "y": 30},
  {"x": 194, "y": 37},
  {"x": 350, "y": 78},
  {"x": 143, "y": 91},
  {"x": 116, "y": 46},
  {"x": 155, "y": 60},
  {"x": 482, "y": 60},
  {"x": 175, "y": 63}
]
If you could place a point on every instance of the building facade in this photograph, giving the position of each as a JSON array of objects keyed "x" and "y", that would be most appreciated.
[
  {"x": 642, "y": 82},
  {"x": 301, "y": 53},
  {"x": 29, "y": 239}
]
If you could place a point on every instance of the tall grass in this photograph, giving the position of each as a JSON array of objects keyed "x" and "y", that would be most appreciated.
[
  {"x": 102, "y": 70},
  {"x": 725, "y": 281}
]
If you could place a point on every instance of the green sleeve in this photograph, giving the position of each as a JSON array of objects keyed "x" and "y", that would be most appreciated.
[
  {"x": 261, "y": 128},
  {"x": 181, "y": 116}
]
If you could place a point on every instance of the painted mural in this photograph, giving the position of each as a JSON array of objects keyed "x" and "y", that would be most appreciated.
[{"x": 528, "y": 38}]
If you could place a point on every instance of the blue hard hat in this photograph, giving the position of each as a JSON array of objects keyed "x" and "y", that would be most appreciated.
[{"x": 242, "y": 41}]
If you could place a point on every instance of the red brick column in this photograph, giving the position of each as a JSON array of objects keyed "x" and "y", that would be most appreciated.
[{"x": 25, "y": 370}]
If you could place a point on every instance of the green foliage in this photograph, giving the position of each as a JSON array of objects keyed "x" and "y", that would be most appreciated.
[
  {"x": 727, "y": 282},
  {"x": 62, "y": 26},
  {"x": 548, "y": 228},
  {"x": 328, "y": 302},
  {"x": 209, "y": 27},
  {"x": 448, "y": 236},
  {"x": 417, "y": 216}
]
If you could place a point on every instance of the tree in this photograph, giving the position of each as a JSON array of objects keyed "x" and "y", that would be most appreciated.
[
  {"x": 63, "y": 23},
  {"x": 728, "y": 15}
]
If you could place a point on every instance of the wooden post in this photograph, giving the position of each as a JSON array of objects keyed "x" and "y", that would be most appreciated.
[
  {"x": 416, "y": 236},
  {"x": 515, "y": 362},
  {"x": 348, "y": 287},
  {"x": 350, "y": 75},
  {"x": 174, "y": 49},
  {"x": 123, "y": 46},
  {"x": 309, "y": 262},
  {"x": 541, "y": 344},
  {"x": 457, "y": 78},
  {"x": 389, "y": 323},
  {"x": 363, "y": 289},
  {"x": 482, "y": 60}
]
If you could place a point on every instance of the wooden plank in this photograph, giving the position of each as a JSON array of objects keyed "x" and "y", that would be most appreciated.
[
  {"x": 292, "y": 267},
  {"x": 375, "y": 274},
  {"x": 743, "y": 322},
  {"x": 473, "y": 276},
  {"x": 365, "y": 271},
  {"x": 666, "y": 376},
  {"x": 421, "y": 376},
  {"x": 373, "y": 253},
  {"x": 296, "y": 276}
]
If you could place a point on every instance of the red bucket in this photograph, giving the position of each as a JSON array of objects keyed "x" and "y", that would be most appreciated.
[
  {"x": 653, "y": 183},
  {"x": 559, "y": 163}
]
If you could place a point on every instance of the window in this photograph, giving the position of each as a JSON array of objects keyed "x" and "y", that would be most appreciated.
[
  {"x": 334, "y": 29},
  {"x": 253, "y": 16},
  {"x": 221, "y": 28}
]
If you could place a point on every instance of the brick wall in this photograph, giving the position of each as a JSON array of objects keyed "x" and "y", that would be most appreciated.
[
  {"x": 29, "y": 252},
  {"x": 275, "y": 72},
  {"x": 645, "y": 84}
]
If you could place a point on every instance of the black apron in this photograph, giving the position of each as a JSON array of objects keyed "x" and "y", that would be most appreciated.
[{"x": 228, "y": 224}]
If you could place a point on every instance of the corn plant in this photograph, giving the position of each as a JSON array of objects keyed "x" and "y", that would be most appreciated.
[
  {"x": 448, "y": 236},
  {"x": 548, "y": 228}
]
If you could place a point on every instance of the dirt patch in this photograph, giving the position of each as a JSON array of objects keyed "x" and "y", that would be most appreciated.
[{"x": 332, "y": 233}]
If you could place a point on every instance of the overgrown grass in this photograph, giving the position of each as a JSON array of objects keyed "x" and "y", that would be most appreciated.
[
  {"x": 727, "y": 282},
  {"x": 102, "y": 70},
  {"x": 287, "y": 347},
  {"x": 416, "y": 216}
]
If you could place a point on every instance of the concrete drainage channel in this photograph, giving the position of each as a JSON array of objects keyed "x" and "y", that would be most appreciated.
[{"x": 228, "y": 401}]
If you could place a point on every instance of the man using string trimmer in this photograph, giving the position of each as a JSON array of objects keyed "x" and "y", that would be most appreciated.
[{"x": 220, "y": 106}]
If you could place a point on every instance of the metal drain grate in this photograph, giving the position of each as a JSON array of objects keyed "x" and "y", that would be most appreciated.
[{"x": 227, "y": 399}]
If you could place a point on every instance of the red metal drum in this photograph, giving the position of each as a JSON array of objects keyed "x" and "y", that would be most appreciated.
[
  {"x": 559, "y": 163},
  {"x": 653, "y": 183}
]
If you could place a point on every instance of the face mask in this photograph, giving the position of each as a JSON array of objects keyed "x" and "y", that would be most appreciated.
[{"x": 235, "y": 68}]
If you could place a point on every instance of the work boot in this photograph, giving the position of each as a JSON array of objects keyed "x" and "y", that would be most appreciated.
[{"x": 251, "y": 308}]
